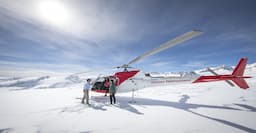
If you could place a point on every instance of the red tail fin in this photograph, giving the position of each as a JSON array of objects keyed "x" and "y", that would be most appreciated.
[{"x": 239, "y": 71}]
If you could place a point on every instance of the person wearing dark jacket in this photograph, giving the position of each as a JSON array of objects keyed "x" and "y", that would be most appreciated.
[{"x": 112, "y": 91}]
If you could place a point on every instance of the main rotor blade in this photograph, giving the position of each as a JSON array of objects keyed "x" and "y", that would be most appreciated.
[{"x": 182, "y": 38}]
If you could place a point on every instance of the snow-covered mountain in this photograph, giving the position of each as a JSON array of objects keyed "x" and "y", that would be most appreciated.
[
  {"x": 223, "y": 69},
  {"x": 43, "y": 82},
  {"x": 22, "y": 82},
  {"x": 171, "y": 74}
]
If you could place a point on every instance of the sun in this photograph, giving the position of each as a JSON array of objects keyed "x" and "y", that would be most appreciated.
[{"x": 53, "y": 12}]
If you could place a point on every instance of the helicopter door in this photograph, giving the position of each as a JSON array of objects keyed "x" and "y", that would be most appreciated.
[{"x": 98, "y": 86}]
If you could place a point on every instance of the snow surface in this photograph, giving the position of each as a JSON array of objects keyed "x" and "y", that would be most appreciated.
[{"x": 49, "y": 104}]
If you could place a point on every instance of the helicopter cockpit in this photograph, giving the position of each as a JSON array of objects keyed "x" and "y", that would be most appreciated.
[{"x": 102, "y": 83}]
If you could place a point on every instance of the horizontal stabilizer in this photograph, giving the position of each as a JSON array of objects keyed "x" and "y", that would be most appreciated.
[{"x": 241, "y": 83}]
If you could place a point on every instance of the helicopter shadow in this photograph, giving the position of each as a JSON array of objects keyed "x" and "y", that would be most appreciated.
[
  {"x": 100, "y": 102},
  {"x": 124, "y": 103},
  {"x": 183, "y": 105}
]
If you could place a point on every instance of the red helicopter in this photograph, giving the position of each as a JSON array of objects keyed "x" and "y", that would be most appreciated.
[{"x": 130, "y": 80}]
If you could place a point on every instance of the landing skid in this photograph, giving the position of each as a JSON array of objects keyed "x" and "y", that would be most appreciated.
[{"x": 133, "y": 99}]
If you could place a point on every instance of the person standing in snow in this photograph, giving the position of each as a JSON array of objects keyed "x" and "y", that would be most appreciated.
[
  {"x": 86, "y": 89},
  {"x": 112, "y": 91}
]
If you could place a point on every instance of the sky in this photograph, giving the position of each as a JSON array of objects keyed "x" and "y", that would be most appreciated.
[{"x": 81, "y": 35}]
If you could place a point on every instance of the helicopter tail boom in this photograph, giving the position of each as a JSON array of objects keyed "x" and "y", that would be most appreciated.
[{"x": 237, "y": 76}]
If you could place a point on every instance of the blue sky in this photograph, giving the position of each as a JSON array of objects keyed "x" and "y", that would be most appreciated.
[{"x": 88, "y": 34}]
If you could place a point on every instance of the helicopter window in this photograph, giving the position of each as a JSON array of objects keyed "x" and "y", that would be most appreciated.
[
  {"x": 100, "y": 79},
  {"x": 147, "y": 75}
]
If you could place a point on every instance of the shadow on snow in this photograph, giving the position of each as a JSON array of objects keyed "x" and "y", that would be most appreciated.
[
  {"x": 182, "y": 105},
  {"x": 100, "y": 102}
]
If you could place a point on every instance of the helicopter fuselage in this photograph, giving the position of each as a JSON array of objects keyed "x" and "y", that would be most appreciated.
[{"x": 134, "y": 80}]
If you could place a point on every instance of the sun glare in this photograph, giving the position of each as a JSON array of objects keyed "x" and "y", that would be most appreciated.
[{"x": 53, "y": 12}]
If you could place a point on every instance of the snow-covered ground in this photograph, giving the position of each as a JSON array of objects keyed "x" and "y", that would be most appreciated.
[{"x": 50, "y": 104}]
